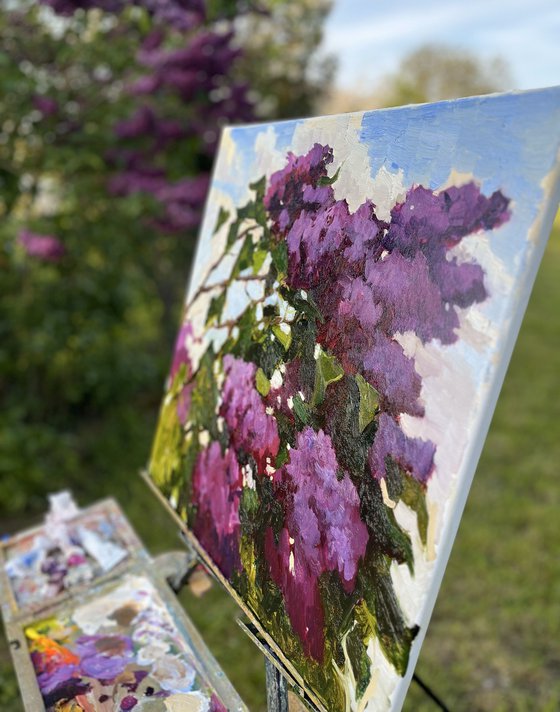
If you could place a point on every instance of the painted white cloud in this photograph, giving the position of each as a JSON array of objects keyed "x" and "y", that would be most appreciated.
[{"x": 355, "y": 182}]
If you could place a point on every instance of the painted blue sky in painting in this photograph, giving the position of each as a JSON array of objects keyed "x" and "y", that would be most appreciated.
[
  {"x": 430, "y": 141},
  {"x": 505, "y": 142},
  {"x": 369, "y": 37}
]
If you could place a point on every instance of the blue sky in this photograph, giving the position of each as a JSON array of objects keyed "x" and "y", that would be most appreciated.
[{"x": 369, "y": 37}]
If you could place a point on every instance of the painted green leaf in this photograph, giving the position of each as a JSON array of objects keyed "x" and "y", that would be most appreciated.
[
  {"x": 259, "y": 257},
  {"x": 358, "y": 656},
  {"x": 262, "y": 382},
  {"x": 394, "y": 635},
  {"x": 223, "y": 217},
  {"x": 245, "y": 257},
  {"x": 249, "y": 501},
  {"x": 233, "y": 233},
  {"x": 390, "y": 538},
  {"x": 300, "y": 409},
  {"x": 327, "y": 370},
  {"x": 253, "y": 210},
  {"x": 191, "y": 450},
  {"x": 282, "y": 457},
  {"x": 205, "y": 396},
  {"x": 245, "y": 326},
  {"x": 307, "y": 305},
  {"x": 259, "y": 187},
  {"x": 165, "y": 458},
  {"x": 369, "y": 402},
  {"x": 215, "y": 309},
  {"x": 285, "y": 338},
  {"x": 279, "y": 255},
  {"x": 325, "y": 180},
  {"x": 414, "y": 496}
]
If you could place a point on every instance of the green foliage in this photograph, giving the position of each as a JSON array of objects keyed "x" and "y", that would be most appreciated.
[
  {"x": 284, "y": 337},
  {"x": 215, "y": 309},
  {"x": 85, "y": 342},
  {"x": 205, "y": 395},
  {"x": 223, "y": 217},
  {"x": 413, "y": 496},
  {"x": 436, "y": 72}
]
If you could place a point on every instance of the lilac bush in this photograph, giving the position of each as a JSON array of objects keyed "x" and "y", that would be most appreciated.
[{"x": 46, "y": 248}]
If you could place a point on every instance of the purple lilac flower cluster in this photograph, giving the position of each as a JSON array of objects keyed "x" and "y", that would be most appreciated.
[
  {"x": 200, "y": 68},
  {"x": 186, "y": 62},
  {"x": 251, "y": 429},
  {"x": 183, "y": 14},
  {"x": 217, "y": 477},
  {"x": 217, "y": 485},
  {"x": 45, "y": 248}
]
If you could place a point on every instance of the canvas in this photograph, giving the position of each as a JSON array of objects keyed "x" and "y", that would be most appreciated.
[{"x": 357, "y": 289}]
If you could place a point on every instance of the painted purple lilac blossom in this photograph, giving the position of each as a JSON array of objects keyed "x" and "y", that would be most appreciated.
[
  {"x": 292, "y": 498},
  {"x": 217, "y": 486},
  {"x": 251, "y": 429},
  {"x": 322, "y": 532}
]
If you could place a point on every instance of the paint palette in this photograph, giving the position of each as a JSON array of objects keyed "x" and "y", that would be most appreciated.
[
  {"x": 93, "y": 625},
  {"x": 126, "y": 646},
  {"x": 43, "y": 565}
]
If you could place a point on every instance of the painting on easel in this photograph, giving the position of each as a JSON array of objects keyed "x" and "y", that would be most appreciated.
[{"x": 356, "y": 293}]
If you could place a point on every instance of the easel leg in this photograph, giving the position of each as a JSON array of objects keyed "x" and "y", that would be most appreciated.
[
  {"x": 430, "y": 693},
  {"x": 276, "y": 689}
]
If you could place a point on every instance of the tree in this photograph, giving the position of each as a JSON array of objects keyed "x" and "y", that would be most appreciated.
[
  {"x": 282, "y": 60},
  {"x": 429, "y": 73},
  {"x": 435, "y": 72}
]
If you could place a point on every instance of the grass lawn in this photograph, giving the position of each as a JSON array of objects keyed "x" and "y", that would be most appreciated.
[{"x": 492, "y": 644}]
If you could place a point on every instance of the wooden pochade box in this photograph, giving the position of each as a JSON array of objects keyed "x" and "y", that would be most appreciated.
[{"x": 91, "y": 619}]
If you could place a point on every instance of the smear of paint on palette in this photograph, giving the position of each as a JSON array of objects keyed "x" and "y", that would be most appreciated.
[
  {"x": 55, "y": 559},
  {"x": 120, "y": 651}
]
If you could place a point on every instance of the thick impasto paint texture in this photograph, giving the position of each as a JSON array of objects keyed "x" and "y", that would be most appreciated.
[
  {"x": 299, "y": 438},
  {"x": 62, "y": 555},
  {"x": 120, "y": 651}
]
